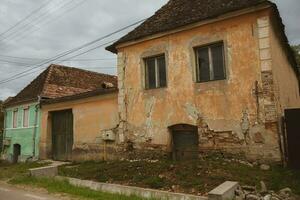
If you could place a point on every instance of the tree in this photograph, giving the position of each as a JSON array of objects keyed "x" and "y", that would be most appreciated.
[{"x": 296, "y": 49}]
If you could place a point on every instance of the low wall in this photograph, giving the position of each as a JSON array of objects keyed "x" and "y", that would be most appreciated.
[{"x": 128, "y": 190}]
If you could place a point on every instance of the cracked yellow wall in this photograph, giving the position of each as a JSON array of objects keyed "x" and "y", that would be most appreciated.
[
  {"x": 90, "y": 117},
  {"x": 224, "y": 111}
]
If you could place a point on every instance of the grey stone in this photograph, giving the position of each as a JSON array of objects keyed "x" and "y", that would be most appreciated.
[
  {"x": 252, "y": 197},
  {"x": 263, "y": 187},
  {"x": 249, "y": 188},
  {"x": 267, "y": 197},
  {"x": 239, "y": 194},
  {"x": 275, "y": 198},
  {"x": 285, "y": 193},
  {"x": 265, "y": 167}
]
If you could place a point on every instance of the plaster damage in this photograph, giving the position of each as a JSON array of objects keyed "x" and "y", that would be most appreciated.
[{"x": 237, "y": 115}]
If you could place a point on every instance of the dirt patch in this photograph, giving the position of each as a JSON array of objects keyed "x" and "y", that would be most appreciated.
[{"x": 194, "y": 177}]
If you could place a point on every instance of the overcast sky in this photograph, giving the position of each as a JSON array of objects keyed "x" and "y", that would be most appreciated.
[{"x": 61, "y": 25}]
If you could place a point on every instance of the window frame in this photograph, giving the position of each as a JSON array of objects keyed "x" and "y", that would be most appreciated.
[
  {"x": 13, "y": 118},
  {"x": 157, "y": 76},
  {"x": 25, "y": 108},
  {"x": 211, "y": 68}
]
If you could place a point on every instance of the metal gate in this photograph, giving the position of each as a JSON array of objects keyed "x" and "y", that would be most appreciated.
[
  {"x": 185, "y": 142},
  {"x": 292, "y": 123},
  {"x": 62, "y": 135}
]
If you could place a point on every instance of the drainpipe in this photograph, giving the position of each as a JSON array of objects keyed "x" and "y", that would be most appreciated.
[
  {"x": 35, "y": 126},
  {"x": 4, "y": 131}
]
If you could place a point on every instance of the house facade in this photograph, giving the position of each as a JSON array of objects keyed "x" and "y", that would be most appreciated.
[
  {"x": 23, "y": 113},
  {"x": 21, "y": 133},
  {"x": 217, "y": 76},
  {"x": 79, "y": 127}
]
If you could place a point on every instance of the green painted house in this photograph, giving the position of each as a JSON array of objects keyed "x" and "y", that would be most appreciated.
[
  {"x": 22, "y": 113},
  {"x": 21, "y": 134}
]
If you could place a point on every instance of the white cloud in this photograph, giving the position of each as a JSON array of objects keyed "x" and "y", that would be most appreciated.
[
  {"x": 5, "y": 93},
  {"x": 90, "y": 20}
]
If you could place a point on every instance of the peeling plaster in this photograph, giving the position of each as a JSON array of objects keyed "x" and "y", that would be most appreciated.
[{"x": 192, "y": 111}]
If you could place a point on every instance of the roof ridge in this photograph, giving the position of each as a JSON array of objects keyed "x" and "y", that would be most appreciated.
[{"x": 80, "y": 69}]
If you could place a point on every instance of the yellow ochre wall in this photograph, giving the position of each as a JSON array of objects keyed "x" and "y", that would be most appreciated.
[
  {"x": 91, "y": 116},
  {"x": 226, "y": 112}
]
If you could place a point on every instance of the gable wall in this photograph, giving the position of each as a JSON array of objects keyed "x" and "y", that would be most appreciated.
[
  {"x": 91, "y": 116},
  {"x": 285, "y": 80},
  {"x": 226, "y": 112}
]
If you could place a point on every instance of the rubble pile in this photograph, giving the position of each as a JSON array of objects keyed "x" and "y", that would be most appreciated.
[{"x": 251, "y": 193}]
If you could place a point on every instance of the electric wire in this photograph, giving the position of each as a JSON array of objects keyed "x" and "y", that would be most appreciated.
[
  {"x": 27, "y": 17},
  {"x": 61, "y": 55}
]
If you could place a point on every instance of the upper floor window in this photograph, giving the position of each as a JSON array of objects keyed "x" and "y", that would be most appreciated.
[
  {"x": 155, "y": 72},
  {"x": 15, "y": 118},
  {"x": 25, "y": 117},
  {"x": 210, "y": 63}
]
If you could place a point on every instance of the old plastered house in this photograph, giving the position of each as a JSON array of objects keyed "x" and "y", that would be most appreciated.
[
  {"x": 203, "y": 75},
  {"x": 60, "y": 115}
]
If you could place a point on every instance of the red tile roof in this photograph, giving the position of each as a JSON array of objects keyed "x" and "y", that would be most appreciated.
[{"x": 59, "y": 81}]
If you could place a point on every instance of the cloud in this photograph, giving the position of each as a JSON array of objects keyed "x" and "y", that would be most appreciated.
[
  {"x": 5, "y": 93},
  {"x": 65, "y": 28}
]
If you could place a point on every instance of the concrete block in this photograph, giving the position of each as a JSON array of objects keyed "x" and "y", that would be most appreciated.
[
  {"x": 49, "y": 171},
  {"x": 225, "y": 191},
  {"x": 129, "y": 190}
]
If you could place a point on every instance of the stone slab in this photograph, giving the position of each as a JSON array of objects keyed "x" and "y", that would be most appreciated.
[
  {"x": 225, "y": 191},
  {"x": 49, "y": 171}
]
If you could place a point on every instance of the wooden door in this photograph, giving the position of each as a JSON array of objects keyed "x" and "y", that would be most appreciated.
[
  {"x": 62, "y": 135},
  {"x": 292, "y": 123},
  {"x": 185, "y": 142},
  {"x": 17, "y": 153}
]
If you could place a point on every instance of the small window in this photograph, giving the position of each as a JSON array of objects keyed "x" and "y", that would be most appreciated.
[
  {"x": 15, "y": 118},
  {"x": 26, "y": 117},
  {"x": 210, "y": 63},
  {"x": 155, "y": 72}
]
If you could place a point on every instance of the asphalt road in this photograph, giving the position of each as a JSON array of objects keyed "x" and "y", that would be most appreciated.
[{"x": 10, "y": 193}]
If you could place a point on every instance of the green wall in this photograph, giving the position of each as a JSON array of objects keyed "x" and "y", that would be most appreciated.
[{"x": 22, "y": 135}]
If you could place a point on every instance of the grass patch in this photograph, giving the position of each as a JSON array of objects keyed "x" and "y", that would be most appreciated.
[
  {"x": 8, "y": 170},
  {"x": 194, "y": 177},
  {"x": 55, "y": 186}
]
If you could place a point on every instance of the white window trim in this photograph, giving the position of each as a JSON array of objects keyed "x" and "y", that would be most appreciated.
[
  {"x": 13, "y": 111},
  {"x": 23, "y": 117}
]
